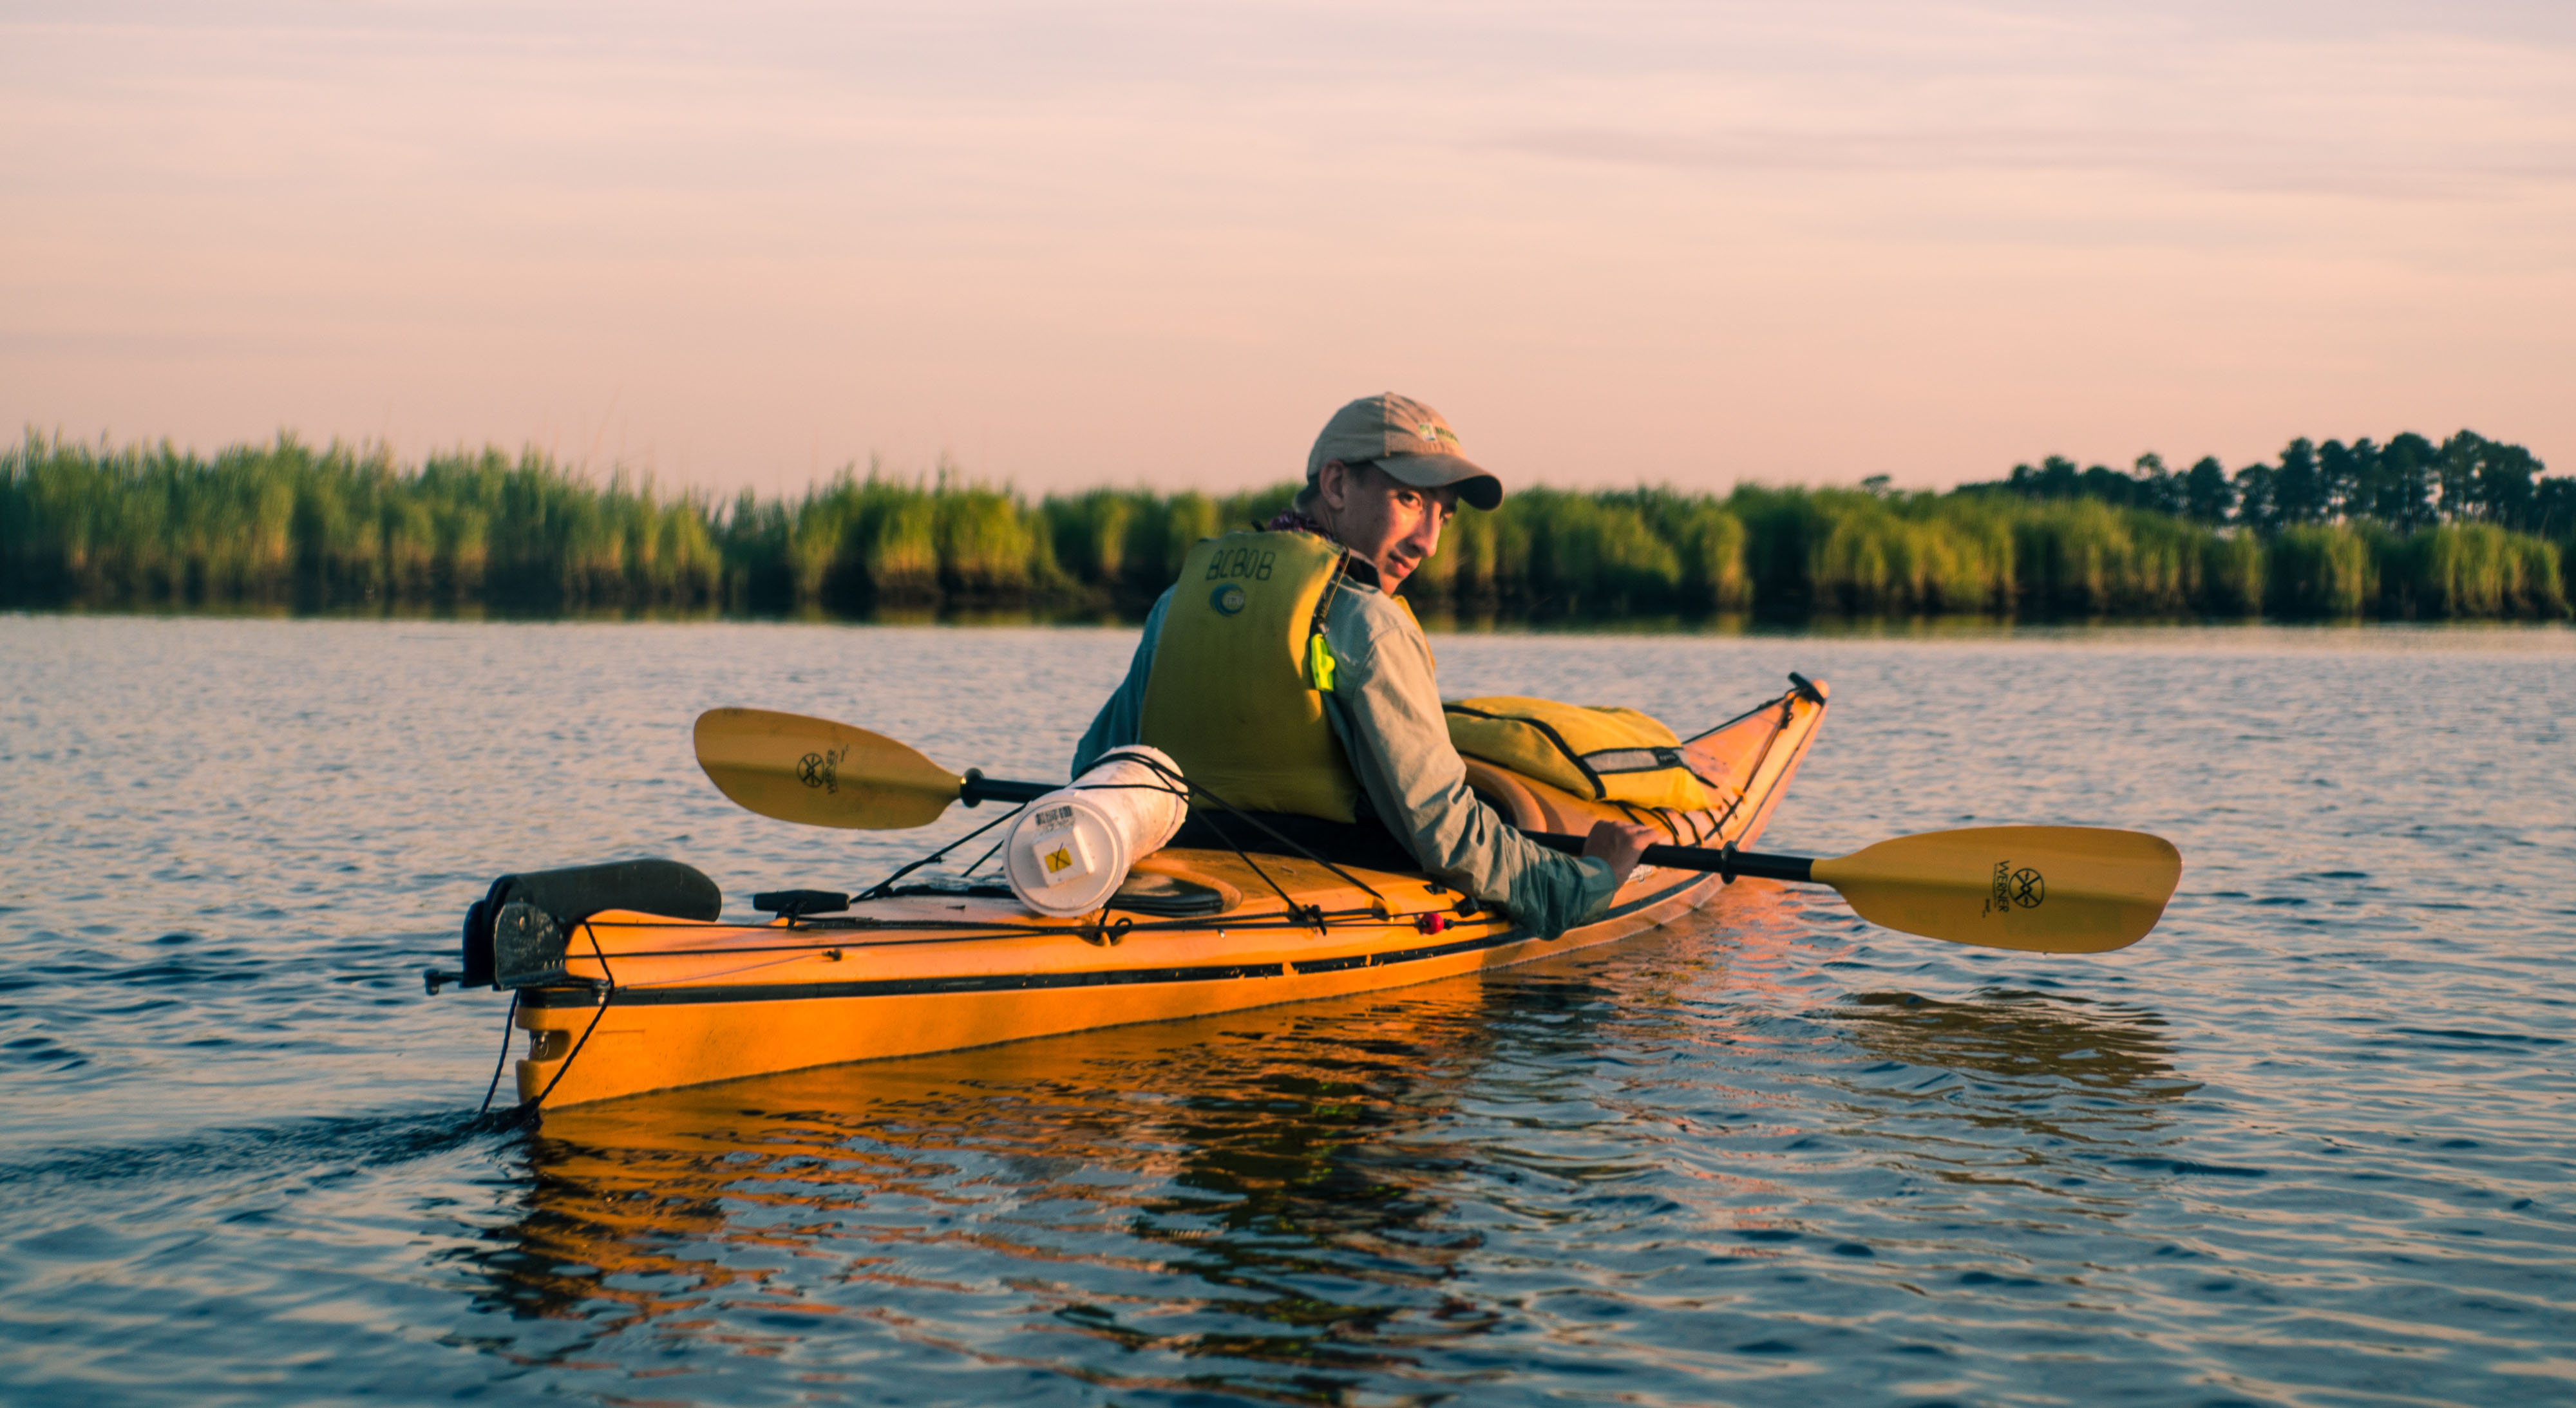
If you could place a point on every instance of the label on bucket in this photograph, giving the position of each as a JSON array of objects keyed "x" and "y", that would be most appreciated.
[{"x": 1056, "y": 849}]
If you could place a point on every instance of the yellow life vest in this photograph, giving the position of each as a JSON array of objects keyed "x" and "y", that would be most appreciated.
[
  {"x": 1236, "y": 695},
  {"x": 1607, "y": 754}
]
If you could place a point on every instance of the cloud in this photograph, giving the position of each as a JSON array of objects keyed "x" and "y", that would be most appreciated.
[{"x": 2211, "y": 161}]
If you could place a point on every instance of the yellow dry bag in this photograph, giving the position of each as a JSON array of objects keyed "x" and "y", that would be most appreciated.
[{"x": 1607, "y": 754}]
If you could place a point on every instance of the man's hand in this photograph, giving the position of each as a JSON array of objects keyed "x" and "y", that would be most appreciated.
[{"x": 1620, "y": 844}]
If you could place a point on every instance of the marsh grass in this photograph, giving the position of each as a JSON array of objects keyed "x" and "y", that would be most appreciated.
[
  {"x": 2320, "y": 572},
  {"x": 2469, "y": 570},
  {"x": 285, "y": 522},
  {"x": 293, "y": 527}
]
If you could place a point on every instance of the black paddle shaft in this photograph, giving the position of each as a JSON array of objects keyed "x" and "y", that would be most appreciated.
[
  {"x": 1728, "y": 862},
  {"x": 980, "y": 788}
]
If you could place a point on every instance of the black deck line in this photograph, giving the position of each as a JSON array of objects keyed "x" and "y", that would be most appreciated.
[
  {"x": 899, "y": 987},
  {"x": 1020, "y": 982}
]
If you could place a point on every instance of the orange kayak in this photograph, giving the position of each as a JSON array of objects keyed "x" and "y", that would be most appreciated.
[{"x": 626, "y": 981}]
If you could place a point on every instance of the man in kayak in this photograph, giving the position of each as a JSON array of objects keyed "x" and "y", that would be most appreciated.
[{"x": 1290, "y": 683}]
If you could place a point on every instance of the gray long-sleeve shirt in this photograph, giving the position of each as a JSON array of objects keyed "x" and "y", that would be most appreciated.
[{"x": 1385, "y": 708}]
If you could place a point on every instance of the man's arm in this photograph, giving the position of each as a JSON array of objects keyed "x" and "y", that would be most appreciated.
[
  {"x": 1386, "y": 708},
  {"x": 1121, "y": 721}
]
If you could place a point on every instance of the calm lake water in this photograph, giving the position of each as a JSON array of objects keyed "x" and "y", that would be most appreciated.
[{"x": 2309, "y": 1143}]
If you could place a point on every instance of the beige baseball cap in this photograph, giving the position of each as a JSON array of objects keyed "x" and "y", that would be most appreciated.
[{"x": 1407, "y": 439}]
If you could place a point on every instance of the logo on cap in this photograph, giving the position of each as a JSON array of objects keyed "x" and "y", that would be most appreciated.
[{"x": 1437, "y": 434}]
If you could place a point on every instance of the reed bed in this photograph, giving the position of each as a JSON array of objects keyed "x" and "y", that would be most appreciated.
[
  {"x": 2469, "y": 571},
  {"x": 287, "y": 523},
  {"x": 338, "y": 528}
]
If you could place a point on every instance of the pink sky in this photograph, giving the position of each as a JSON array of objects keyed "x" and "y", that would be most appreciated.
[{"x": 1157, "y": 243}]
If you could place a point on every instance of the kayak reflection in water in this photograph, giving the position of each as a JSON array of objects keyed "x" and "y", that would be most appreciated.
[
  {"x": 1288, "y": 680},
  {"x": 1264, "y": 1191}
]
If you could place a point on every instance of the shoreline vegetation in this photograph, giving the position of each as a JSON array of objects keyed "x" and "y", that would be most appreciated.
[{"x": 2466, "y": 529}]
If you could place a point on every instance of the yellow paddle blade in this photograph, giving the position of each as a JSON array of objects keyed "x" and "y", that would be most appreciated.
[
  {"x": 2043, "y": 889},
  {"x": 821, "y": 773}
]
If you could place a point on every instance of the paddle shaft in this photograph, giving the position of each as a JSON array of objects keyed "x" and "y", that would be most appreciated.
[
  {"x": 978, "y": 789},
  {"x": 1729, "y": 863}
]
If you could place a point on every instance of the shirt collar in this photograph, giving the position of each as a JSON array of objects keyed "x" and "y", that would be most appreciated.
[{"x": 1354, "y": 566}]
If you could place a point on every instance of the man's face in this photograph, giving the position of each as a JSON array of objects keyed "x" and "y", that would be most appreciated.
[{"x": 1393, "y": 525}]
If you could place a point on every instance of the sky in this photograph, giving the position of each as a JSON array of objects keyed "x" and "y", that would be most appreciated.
[{"x": 1157, "y": 243}]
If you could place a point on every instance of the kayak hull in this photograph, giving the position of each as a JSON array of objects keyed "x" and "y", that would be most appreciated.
[
  {"x": 646, "y": 1045},
  {"x": 651, "y": 1003}
]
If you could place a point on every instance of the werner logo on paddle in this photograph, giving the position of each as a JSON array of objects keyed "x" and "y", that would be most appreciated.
[
  {"x": 822, "y": 769},
  {"x": 2024, "y": 888},
  {"x": 2028, "y": 888}
]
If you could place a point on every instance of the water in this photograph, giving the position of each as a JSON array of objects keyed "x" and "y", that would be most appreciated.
[{"x": 2306, "y": 1144}]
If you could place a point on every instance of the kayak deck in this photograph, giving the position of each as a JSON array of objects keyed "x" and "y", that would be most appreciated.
[{"x": 647, "y": 1003}]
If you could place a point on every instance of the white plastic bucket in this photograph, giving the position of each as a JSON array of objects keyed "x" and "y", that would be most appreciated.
[{"x": 1070, "y": 850}]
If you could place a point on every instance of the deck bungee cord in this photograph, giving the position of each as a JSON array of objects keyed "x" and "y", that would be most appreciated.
[
  {"x": 607, "y": 992},
  {"x": 883, "y": 887},
  {"x": 1800, "y": 687},
  {"x": 508, "y": 1020}
]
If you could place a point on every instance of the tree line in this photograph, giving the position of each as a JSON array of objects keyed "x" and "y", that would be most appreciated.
[
  {"x": 2467, "y": 528},
  {"x": 2406, "y": 484}
]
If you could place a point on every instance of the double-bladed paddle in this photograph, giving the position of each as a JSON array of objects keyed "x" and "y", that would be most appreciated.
[{"x": 2041, "y": 889}]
